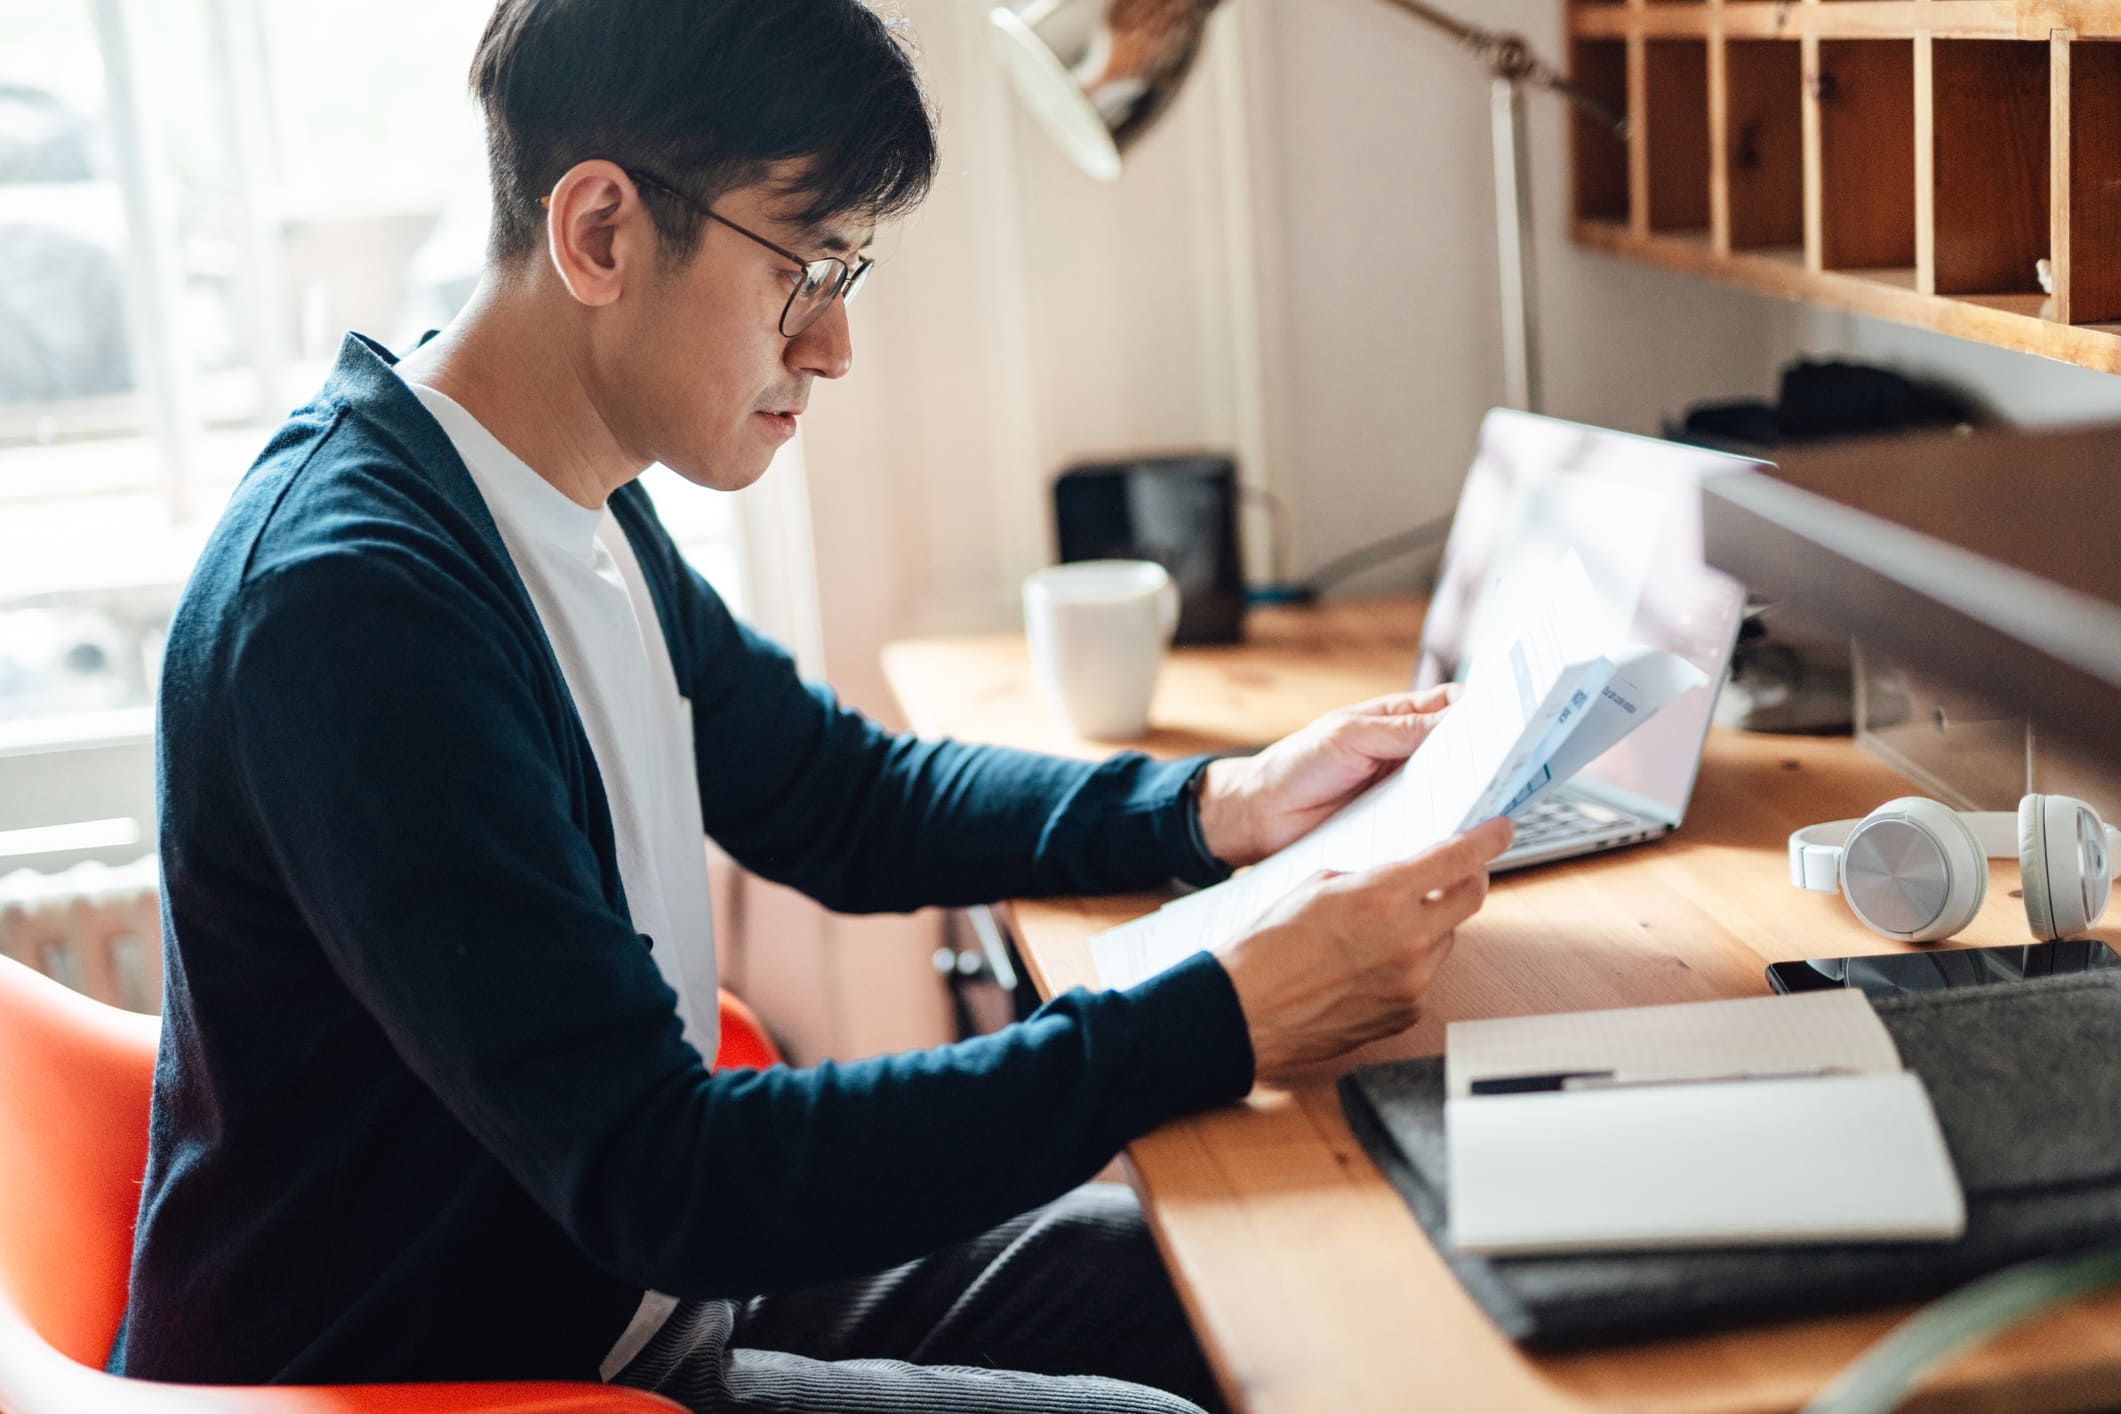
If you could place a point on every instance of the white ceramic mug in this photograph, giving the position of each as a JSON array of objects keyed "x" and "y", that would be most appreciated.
[{"x": 1098, "y": 632}]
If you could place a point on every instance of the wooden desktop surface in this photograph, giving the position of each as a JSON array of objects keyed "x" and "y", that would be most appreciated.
[{"x": 1308, "y": 1280}]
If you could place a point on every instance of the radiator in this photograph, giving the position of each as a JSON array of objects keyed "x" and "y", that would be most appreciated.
[{"x": 95, "y": 927}]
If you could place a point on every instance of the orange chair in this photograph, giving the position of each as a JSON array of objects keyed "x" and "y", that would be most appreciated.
[
  {"x": 744, "y": 1044},
  {"x": 75, "y": 1076}
]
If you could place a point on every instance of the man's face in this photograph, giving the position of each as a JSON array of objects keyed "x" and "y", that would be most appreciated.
[{"x": 709, "y": 385}]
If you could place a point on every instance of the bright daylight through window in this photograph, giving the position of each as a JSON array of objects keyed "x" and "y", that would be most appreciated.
[{"x": 197, "y": 198}]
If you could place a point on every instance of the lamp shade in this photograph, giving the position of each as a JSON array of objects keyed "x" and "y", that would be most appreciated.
[{"x": 1098, "y": 73}]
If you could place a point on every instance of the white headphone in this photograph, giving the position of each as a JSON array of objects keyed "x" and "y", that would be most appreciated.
[{"x": 1917, "y": 870}]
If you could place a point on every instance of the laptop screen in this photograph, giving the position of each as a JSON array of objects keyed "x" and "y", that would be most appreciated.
[{"x": 1631, "y": 508}]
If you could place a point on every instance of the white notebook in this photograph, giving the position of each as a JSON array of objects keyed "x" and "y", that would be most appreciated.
[{"x": 1763, "y": 1120}]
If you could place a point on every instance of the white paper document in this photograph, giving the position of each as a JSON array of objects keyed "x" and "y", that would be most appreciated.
[
  {"x": 1764, "y": 1120},
  {"x": 1530, "y": 715}
]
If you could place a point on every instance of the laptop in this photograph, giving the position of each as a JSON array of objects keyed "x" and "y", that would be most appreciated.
[{"x": 1631, "y": 509}]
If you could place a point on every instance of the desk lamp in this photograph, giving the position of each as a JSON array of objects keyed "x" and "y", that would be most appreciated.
[{"x": 1098, "y": 73}]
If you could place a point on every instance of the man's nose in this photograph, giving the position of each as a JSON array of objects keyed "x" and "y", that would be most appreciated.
[{"x": 826, "y": 348}]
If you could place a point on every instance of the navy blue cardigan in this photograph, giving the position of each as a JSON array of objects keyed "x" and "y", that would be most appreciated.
[{"x": 422, "y": 1109}]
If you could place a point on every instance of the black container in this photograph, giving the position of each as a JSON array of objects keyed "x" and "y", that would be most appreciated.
[{"x": 1180, "y": 511}]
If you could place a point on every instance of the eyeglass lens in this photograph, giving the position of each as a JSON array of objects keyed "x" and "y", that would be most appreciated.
[{"x": 823, "y": 281}]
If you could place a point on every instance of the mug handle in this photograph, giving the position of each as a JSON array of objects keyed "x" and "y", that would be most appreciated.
[{"x": 1167, "y": 608}]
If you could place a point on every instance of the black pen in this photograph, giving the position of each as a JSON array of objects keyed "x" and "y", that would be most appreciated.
[
  {"x": 1608, "y": 1080},
  {"x": 1535, "y": 1084}
]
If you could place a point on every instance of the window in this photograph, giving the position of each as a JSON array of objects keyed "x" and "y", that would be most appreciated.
[{"x": 196, "y": 198}]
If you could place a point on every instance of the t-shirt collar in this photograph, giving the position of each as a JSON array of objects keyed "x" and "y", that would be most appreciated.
[{"x": 532, "y": 502}]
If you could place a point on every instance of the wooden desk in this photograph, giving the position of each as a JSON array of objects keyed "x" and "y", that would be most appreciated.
[{"x": 1309, "y": 1282}]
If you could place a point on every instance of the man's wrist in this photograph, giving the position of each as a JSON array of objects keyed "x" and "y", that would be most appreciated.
[{"x": 1219, "y": 820}]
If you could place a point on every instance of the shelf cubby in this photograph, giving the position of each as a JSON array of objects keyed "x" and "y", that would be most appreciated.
[
  {"x": 1676, "y": 128},
  {"x": 1598, "y": 158},
  {"x": 1865, "y": 89},
  {"x": 1990, "y": 164},
  {"x": 1763, "y": 143},
  {"x": 1915, "y": 160}
]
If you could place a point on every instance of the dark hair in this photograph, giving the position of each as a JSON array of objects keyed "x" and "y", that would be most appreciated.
[{"x": 704, "y": 95}]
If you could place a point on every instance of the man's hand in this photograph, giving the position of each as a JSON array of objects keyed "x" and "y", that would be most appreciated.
[
  {"x": 1346, "y": 957},
  {"x": 1251, "y": 806}
]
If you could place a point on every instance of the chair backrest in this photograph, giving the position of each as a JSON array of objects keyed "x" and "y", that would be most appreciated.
[
  {"x": 744, "y": 1043},
  {"x": 75, "y": 1079}
]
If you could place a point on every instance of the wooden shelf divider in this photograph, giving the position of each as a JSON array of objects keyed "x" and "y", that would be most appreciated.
[{"x": 1953, "y": 164}]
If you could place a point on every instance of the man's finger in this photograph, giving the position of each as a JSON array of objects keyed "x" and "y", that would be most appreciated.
[
  {"x": 1404, "y": 704},
  {"x": 1456, "y": 857},
  {"x": 1386, "y": 738},
  {"x": 1494, "y": 835}
]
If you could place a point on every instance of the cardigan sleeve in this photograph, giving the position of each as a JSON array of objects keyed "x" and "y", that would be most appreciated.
[
  {"x": 401, "y": 763},
  {"x": 806, "y": 792}
]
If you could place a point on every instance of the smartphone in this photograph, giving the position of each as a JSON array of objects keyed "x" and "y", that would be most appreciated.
[{"x": 1895, "y": 974}]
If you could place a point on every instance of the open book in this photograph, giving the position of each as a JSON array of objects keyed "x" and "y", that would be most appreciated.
[{"x": 1533, "y": 712}]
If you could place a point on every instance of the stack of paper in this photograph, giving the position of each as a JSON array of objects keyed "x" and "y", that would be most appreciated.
[
  {"x": 1529, "y": 717},
  {"x": 1769, "y": 1119}
]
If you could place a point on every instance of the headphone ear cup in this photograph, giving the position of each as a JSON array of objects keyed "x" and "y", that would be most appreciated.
[
  {"x": 2097, "y": 888},
  {"x": 2069, "y": 850},
  {"x": 1975, "y": 859},
  {"x": 1913, "y": 870},
  {"x": 2034, "y": 861}
]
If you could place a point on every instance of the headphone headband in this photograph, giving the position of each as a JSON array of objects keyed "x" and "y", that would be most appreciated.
[{"x": 1815, "y": 850}]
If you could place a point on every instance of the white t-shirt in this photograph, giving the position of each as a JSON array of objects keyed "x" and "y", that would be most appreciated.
[{"x": 587, "y": 588}]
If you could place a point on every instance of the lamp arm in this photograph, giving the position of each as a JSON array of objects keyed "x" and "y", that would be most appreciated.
[{"x": 1510, "y": 58}]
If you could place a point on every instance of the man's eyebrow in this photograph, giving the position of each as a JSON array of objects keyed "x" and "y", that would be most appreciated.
[{"x": 833, "y": 240}]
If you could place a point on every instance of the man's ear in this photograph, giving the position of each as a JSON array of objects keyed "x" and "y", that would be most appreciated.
[{"x": 597, "y": 231}]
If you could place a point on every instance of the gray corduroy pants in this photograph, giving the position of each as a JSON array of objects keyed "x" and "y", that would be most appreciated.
[{"x": 1065, "y": 1310}]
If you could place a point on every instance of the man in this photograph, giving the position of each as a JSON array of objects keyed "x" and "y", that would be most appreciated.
[{"x": 444, "y": 720}]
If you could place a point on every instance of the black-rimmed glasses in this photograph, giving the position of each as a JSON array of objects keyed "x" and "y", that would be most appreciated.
[{"x": 824, "y": 280}]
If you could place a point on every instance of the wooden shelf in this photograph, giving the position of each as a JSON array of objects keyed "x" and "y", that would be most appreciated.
[{"x": 1942, "y": 163}]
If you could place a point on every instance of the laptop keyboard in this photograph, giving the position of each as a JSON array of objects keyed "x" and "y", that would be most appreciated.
[{"x": 1557, "y": 820}]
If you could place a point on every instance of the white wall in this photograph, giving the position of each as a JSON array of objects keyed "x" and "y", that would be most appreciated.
[{"x": 1378, "y": 140}]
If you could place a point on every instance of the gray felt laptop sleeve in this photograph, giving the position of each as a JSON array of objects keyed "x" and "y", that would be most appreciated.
[{"x": 2026, "y": 1081}]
